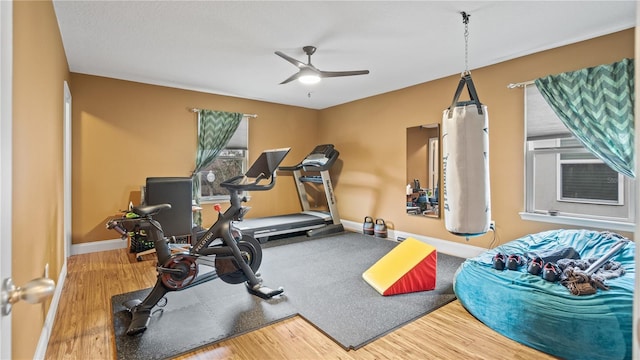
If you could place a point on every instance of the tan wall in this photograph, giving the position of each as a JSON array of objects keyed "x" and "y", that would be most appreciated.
[
  {"x": 39, "y": 70},
  {"x": 370, "y": 135},
  {"x": 124, "y": 132}
]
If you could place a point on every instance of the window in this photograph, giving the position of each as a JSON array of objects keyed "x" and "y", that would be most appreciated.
[
  {"x": 232, "y": 161},
  {"x": 564, "y": 181},
  {"x": 229, "y": 163},
  {"x": 584, "y": 178}
]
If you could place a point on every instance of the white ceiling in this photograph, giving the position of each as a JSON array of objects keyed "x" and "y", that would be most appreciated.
[{"x": 227, "y": 47}]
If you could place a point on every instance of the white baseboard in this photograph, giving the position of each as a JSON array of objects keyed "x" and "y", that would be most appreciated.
[
  {"x": 45, "y": 334},
  {"x": 443, "y": 246},
  {"x": 96, "y": 246}
]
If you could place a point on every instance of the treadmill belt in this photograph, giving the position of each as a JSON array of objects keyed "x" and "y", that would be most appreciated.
[{"x": 280, "y": 222}]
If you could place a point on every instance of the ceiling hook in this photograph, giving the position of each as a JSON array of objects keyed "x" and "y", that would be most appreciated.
[
  {"x": 465, "y": 20},
  {"x": 465, "y": 17}
]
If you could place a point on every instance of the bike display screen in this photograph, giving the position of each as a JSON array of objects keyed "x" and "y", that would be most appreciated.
[{"x": 267, "y": 163}]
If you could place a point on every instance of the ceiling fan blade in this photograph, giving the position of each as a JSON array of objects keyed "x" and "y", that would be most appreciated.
[
  {"x": 343, "y": 73},
  {"x": 291, "y": 60},
  {"x": 308, "y": 70},
  {"x": 291, "y": 78}
]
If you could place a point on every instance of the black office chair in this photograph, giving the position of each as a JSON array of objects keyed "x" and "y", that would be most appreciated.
[{"x": 177, "y": 221}]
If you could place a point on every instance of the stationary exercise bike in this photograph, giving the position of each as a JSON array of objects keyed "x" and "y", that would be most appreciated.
[{"x": 237, "y": 257}]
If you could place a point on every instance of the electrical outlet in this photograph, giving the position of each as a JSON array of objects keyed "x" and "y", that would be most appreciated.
[{"x": 492, "y": 225}]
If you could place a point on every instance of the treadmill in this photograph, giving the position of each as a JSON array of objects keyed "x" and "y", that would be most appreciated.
[{"x": 313, "y": 222}]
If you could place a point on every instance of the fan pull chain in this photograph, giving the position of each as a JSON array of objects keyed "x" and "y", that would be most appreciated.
[{"x": 465, "y": 20}]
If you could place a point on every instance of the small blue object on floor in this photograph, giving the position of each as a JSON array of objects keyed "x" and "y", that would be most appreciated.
[{"x": 545, "y": 315}]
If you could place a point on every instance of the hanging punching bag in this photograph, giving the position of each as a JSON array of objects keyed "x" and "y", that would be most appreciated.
[{"x": 465, "y": 164}]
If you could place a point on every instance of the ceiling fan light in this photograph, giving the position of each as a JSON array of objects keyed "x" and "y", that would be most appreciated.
[{"x": 309, "y": 79}]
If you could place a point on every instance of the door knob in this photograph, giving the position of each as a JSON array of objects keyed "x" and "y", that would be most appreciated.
[{"x": 35, "y": 291}]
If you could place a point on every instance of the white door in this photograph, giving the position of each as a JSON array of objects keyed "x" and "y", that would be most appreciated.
[
  {"x": 636, "y": 299},
  {"x": 6, "y": 73},
  {"x": 67, "y": 170},
  {"x": 434, "y": 164}
]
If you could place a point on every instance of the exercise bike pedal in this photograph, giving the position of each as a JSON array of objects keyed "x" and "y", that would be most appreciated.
[
  {"x": 264, "y": 292},
  {"x": 139, "y": 321}
]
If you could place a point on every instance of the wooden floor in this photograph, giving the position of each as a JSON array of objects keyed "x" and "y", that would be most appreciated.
[{"x": 83, "y": 325}]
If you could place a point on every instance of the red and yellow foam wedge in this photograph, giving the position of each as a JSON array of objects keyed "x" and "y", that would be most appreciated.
[{"x": 409, "y": 267}]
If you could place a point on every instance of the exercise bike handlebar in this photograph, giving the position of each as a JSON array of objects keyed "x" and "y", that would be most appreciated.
[{"x": 240, "y": 183}]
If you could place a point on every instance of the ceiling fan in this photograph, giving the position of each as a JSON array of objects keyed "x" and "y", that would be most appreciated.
[{"x": 309, "y": 74}]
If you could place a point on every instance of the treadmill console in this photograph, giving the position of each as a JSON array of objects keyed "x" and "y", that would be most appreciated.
[{"x": 321, "y": 157}]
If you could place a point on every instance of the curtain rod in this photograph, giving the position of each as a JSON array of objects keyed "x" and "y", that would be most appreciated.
[
  {"x": 195, "y": 110},
  {"x": 520, "y": 84}
]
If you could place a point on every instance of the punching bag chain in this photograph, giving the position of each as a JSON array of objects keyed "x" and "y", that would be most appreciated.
[{"x": 465, "y": 20}]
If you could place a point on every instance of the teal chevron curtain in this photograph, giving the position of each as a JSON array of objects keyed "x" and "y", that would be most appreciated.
[
  {"x": 215, "y": 130},
  {"x": 596, "y": 105}
]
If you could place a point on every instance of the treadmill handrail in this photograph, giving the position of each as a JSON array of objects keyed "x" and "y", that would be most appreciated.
[
  {"x": 290, "y": 168},
  {"x": 333, "y": 156}
]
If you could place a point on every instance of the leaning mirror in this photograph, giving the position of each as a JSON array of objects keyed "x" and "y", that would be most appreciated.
[{"x": 423, "y": 170}]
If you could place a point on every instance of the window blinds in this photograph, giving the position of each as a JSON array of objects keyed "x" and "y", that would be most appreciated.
[
  {"x": 542, "y": 121},
  {"x": 240, "y": 139}
]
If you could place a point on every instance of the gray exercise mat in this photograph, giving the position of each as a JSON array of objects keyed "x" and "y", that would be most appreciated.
[{"x": 323, "y": 283}]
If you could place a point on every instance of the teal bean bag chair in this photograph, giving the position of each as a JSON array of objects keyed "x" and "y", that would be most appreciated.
[{"x": 545, "y": 315}]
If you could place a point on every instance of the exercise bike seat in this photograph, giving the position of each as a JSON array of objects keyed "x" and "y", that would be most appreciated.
[{"x": 146, "y": 210}]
